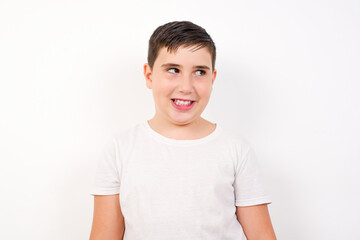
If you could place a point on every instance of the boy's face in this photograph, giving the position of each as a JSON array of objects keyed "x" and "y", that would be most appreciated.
[{"x": 185, "y": 75}]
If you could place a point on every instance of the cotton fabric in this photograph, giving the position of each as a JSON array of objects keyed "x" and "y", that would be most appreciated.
[{"x": 180, "y": 189}]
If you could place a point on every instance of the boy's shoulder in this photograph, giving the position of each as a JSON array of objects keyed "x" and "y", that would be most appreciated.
[
  {"x": 234, "y": 137},
  {"x": 224, "y": 135},
  {"x": 128, "y": 132}
]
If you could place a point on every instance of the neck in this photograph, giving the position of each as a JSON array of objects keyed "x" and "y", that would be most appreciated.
[{"x": 194, "y": 130}]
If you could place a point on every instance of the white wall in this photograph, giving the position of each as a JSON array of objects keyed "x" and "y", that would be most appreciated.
[{"x": 288, "y": 81}]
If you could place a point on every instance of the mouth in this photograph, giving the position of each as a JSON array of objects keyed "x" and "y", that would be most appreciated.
[{"x": 182, "y": 102}]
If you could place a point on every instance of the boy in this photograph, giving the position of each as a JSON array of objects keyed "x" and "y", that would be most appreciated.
[{"x": 179, "y": 176}]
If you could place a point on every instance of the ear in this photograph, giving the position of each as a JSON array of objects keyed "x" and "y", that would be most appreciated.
[
  {"x": 148, "y": 75},
  {"x": 213, "y": 77}
]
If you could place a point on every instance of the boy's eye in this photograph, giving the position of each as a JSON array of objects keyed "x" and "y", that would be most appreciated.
[
  {"x": 173, "y": 70},
  {"x": 200, "y": 72}
]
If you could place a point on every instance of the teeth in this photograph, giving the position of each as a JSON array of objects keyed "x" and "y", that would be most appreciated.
[{"x": 180, "y": 102}]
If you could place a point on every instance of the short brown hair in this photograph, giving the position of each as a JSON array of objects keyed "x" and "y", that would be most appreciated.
[{"x": 172, "y": 35}]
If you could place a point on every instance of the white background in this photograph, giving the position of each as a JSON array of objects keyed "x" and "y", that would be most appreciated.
[{"x": 288, "y": 81}]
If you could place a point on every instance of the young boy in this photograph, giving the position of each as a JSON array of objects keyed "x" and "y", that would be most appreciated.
[{"x": 179, "y": 176}]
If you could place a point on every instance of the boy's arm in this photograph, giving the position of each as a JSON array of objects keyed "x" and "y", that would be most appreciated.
[
  {"x": 256, "y": 223},
  {"x": 108, "y": 221}
]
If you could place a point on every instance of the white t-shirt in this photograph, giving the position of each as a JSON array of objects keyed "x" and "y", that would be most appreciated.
[{"x": 180, "y": 189}]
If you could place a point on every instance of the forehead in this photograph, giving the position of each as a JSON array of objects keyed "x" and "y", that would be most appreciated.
[{"x": 191, "y": 55}]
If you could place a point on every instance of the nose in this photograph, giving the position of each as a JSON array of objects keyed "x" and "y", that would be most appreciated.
[{"x": 186, "y": 84}]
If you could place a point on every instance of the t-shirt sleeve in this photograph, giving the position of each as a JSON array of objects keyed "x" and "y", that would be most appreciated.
[
  {"x": 107, "y": 177},
  {"x": 248, "y": 184}
]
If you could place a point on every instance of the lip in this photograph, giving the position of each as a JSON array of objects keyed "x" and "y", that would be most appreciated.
[
  {"x": 183, "y": 107},
  {"x": 183, "y": 99}
]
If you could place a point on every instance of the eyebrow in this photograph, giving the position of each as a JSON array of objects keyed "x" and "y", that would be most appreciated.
[
  {"x": 202, "y": 67},
  {"x": 166, "y": 65}
]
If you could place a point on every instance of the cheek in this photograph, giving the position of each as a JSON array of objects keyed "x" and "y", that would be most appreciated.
[
  {"x": 205, "y": 90},
  {"x": 163, "y": 87}
]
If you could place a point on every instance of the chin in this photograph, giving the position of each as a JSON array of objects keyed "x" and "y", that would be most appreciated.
[{"x": 183, "y": 121}]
